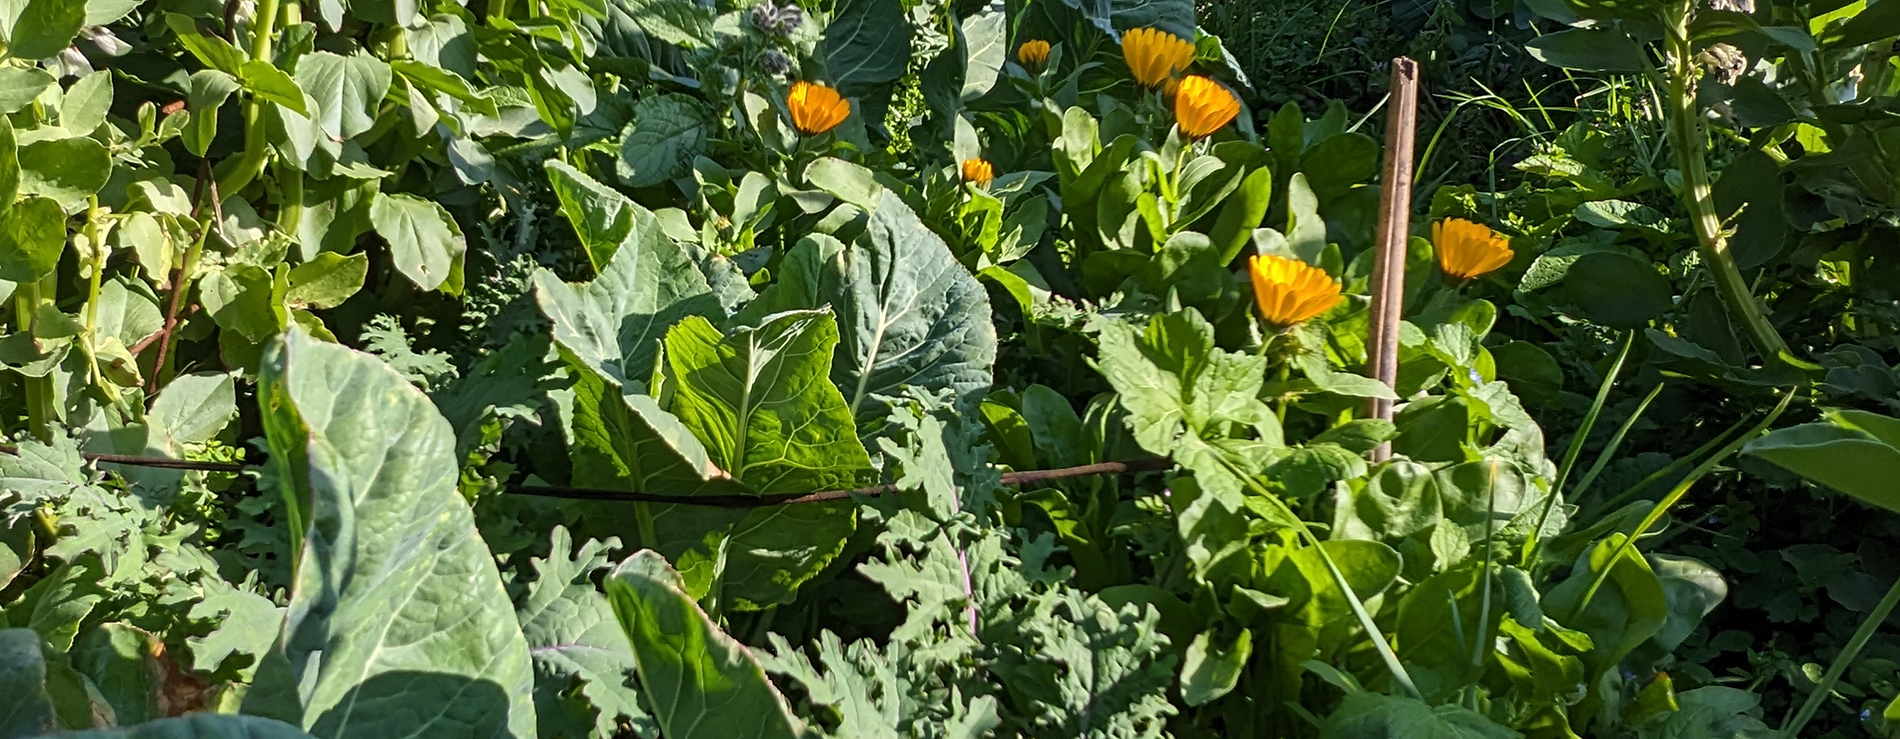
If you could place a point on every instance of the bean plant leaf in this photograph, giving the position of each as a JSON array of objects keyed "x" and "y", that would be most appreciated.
[
  {"x": 209, "y": 88},
  {"x": 760, "y": 399},
  {"x": 677, "y": 22},
  {"x": 702, "y": 683},
  {"x": 19, "y": 86},
  {"x": 396, "y": 603},
  {"x": 424, "y": 241},
  {"x": 44, "y": 28},
  {"x": 32, "y": 236},
  {"x": 326, "y": 281},
  {"x": 1601, "y": 49},
  {"x": 667, "y": 132},
  {"x": 911, "y": 315},
  {"x": 25, "y": 709},
  {"x": 194, "y": 408},
  {"x": 66, "y": 170},
  {"x": 347, "y": 90}
]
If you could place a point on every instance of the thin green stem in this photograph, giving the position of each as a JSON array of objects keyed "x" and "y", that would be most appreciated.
[
  {"x": 256, "y": 139},
  {"x": 1690, "y": 140},
  {"x": 1793, "y": 725},
  {"x": 39, "y": 390}
]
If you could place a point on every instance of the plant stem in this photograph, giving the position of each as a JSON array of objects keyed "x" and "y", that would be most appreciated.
[
  {"x": 1792, "y": 726},
  {"x": 39, "y": 390},
  {"x": 256, "y": 142},
  {"x": 1689, "y": 139},
  {"x": 1576, "y": 448}
]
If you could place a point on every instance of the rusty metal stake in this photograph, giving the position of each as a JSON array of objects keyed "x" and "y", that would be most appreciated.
[{"x": 1393, "y": 230}]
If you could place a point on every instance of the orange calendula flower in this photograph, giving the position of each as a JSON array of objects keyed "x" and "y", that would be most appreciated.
[
  {"x": 1202, "y": 106},
  {"x": 1291, "y": 292},
  {"x": 1467, "y": 250},
  {"x": 1155, "y": 56},
  {"x": 978, "y": 171},
  {"x": 1033, "y": 53},
  {"x": 816, "y": 108}
]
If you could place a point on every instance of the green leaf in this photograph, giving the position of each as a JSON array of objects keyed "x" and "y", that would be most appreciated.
[
  {"x": 113, "y": 656},
  {"x": 624, "y": 440},
  {"x": 986, "y": 47},
  {"x": 601, "y": 216},
  {"x": 240, "y": 298},
  {"x": 211, "y": 50},
  {"x": 32, "y": 236},
  {"x": 1374, "y": 716},
  {"x": 20, "y": 85},
  {"x": 347, "y": 90},
  {"x": 66, "y": 170},
  {"x": 396, "y": 602},
  {"x": 208, "y": 90},
  {"x": 424, "y": 242},
  {"x": 1213, "y": 665},
  {"x": 1314, "y": 596},
  {"x": 247, "y": 625},
  {"x": 86, "y": 103},
  {"x": 1617, "y": 289},
  {"x": 760, "y": 399},
  {"x": 613, "y": 324},
  {"x": 1853, "y": 452},
  {"x": 9, "y": 166},
  {"x": 326, "y": 281},
  {"x": 1626, "y": 610},
  {"x": 268, "y": 82},
  {"x": 1603, "y": 49},
  {"x": 194, "y": 408},
  {"x": 44, "y": 28},
  {"x": 867, "y": 45},
  {"x": 678, "y": 22},
  {"x": 912, "y": 315},
  {"x": 198, "y": 726},
  {"x": 701, "y": 683},
  {"x": 25, "y": 709},
  {"x": 1878, "y": 21},
  {"x": 575, "y": 639},
  {"x": 1241, "y": 213},
  {"x": 667, "y": 133}
]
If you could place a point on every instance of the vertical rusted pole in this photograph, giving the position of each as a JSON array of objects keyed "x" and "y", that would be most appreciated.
[{"x": 1392, "y": 231}]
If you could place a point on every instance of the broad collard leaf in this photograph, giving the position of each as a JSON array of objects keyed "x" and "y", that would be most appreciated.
[
  {"x": 1374, "y": 716},
  {"x": 601, "y": 217},
  {"x": 576, "y": 642},
  {"x": 25, "y": 708},
  {"x": 867, "y": 45},
  {"x": 613, "y": 325},
  {"x": 667, "y": 132},
  {"x": 911, "y": 315},
  {"x": 702, "y": 683},
  {"x": 761, "y": 400},
  {"x": 198, "y": 726},
  {"x": 623, "y": 440},
  {"x": 396, "y": 601}
]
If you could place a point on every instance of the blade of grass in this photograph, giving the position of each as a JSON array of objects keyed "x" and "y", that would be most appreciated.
[
  {"x": 1576, "y": 446},
  {"x": 1616, "y": 440}
]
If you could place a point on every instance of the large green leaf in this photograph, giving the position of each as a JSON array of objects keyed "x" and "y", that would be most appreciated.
[
  {"x": 1854, "y": 452},
  {"x": 25, "y": 708},
  {"x": 424, "y": 241},
  {"x": 667, "y": 132},
  {"x": 867, "y": 45},
  {"x": 346, "y": 89},
  {"x": 624, "y": 440},
  {"x": 396, "y": 602},
  {"x": 613, "y": 324},
  {"x": 198, "y": 726},
  {"x": 19, "y": 86},
  {"x": 1627, "y": 607},
  {"x": 762, "y": 401},
  {"x": 701, "y": 683},
  {"x": 911, "y": 315}
]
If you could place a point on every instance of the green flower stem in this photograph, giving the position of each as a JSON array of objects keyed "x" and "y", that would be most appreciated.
[
  {"x": 92, "y": 291},
  {"x": 39, "y": 390},
  {"x": 1689, "y": 139},
  {"x": 256, "y": 139},
  {"x": 1792, "y": 726}
]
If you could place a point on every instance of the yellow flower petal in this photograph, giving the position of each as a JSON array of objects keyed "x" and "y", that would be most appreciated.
[
  {"x": 1289, "y": 291},
  {"x": 978, "y": 171},
  {"x": 1154, "y": 56},
  {"x": 1202, "y": 106},
  {"x": 1033, "y": 53},
  {"x": 1467, "y": 250},
  {"x": 816, "y": 108}
]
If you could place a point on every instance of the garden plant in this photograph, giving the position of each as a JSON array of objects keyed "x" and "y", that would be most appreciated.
[{"x": 759, "y": 369}]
